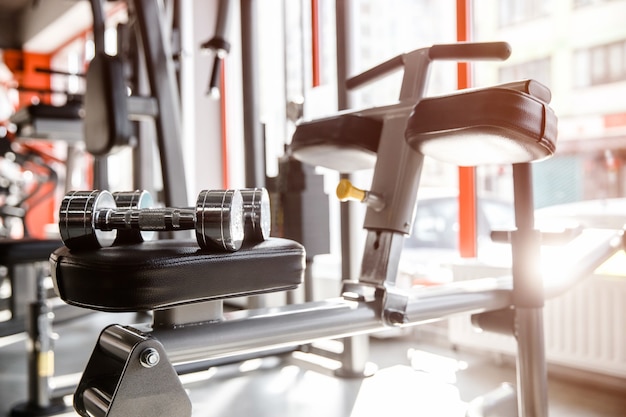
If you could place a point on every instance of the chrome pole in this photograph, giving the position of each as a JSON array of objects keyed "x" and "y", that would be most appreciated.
[
  {"x": 528, "y": 299},
  {"x": 255, "y": 331}
]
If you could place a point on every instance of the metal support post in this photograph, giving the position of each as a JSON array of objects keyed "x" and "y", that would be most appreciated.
[
  {"x": 40, "y": 357},
  {"x": 163, "y": 87},
  {"x": 528, "y": 300},
  {"x": 253, "y": 136}
]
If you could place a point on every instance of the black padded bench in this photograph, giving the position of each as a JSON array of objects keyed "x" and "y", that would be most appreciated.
[
  {"x": 45, "y": 121},
  {"x": 167, "y": 273},
  {"x": 499, "y": 125},
  {"x": 345, "y": 142}
]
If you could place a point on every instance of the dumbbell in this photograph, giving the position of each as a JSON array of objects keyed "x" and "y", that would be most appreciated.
[
  {"x": 257, "y": 214},
  {"x": 91, "y": 219},
  {"x": 130, "y": 200}
]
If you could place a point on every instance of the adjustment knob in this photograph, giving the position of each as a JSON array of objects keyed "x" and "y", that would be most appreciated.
[{"x": 346, "y": 191}]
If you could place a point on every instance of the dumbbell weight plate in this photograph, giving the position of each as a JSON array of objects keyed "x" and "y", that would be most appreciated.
[
  {"x": 129, "y": 200},
  {"x": 76, "y": 219},
  {"x": 220, "y": 220},
  {"x": 257, "y": 215}
]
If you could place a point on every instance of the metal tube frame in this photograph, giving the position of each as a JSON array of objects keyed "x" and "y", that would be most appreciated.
[
  {"x": 528, "y": 300},
  {"x": 42, "y": 399},
  {"x": 253, "y": 135},
  {"x": 256, "y": 333},
  {"x": 246, "y": 332},
  {"x": 164, "y": 89}
]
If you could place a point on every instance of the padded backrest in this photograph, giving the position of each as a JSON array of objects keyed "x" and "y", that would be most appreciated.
[
  {"x": 345, "y": 142},
  {"x": 498, "y": 125},
  {"x": 107, "y": 126}
]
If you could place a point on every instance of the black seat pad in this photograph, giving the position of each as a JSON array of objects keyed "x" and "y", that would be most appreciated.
[
  {"x": 21, "y": 251},
  {"x": 71, "y": 110},
  {"x": 488, "y": 126},
  {"x": 345, "y": 142},
  {"x": 166, "y": 273}
]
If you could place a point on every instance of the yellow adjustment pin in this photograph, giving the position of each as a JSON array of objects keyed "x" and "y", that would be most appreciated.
[
  {"x": 346, "y": 191},
  {"x": 45, "y": 364}
]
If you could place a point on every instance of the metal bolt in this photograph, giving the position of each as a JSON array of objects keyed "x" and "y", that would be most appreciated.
[
  {"x": 396, "y": 318},
  {"x": 149, "y": 357}
]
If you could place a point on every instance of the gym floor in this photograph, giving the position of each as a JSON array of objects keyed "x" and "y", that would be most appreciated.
[{"x": 418, "y": 374}]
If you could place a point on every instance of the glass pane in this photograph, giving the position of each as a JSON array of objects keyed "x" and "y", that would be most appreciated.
[
  {"x": 615, "y": 57},
  {"x": 587, "y": 77},
  {"x": 582, "y": 68},
  {"x": 385, "y": 29}
]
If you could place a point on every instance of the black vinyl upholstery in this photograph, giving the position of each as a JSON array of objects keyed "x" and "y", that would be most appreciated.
[
  {"x": 165, "y": 273},
  {"x": 23, "y": 283},
  {"x": 504, "y": 124},
  {"x": 345, "y": 143},
  {"x": 72, "y": 110},
  {"x": 107, "y": 125},
  {"x": 22, "y": 251},
  {"x": 496, "y": 125}
]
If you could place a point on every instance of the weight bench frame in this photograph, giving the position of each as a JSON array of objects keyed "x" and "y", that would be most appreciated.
[{"x": 194, "y": 337}]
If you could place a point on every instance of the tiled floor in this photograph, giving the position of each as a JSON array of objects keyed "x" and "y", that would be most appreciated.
[{"x": 416, "y": 377}]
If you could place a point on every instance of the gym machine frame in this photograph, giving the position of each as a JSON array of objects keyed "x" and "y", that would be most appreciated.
[
  {"x": 163, "y": 106},
  {"x": 193, "y": 337}
]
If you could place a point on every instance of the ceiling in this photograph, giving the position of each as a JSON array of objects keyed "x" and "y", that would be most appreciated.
[
  {"x": 40, "y": 26},
  {"x": 11, "y": 6},
  {"x": 10, "y": 13}
]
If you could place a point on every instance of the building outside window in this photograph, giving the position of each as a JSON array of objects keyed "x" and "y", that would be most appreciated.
[
  {"x": 513, "y": 12},
  {"x": 578, "y": 49},
  {"x": 600, "y": 64}
]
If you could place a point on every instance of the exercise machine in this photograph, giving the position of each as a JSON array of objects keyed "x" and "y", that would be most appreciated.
[
  {"x": 134, "y": 370},
  {"x": 104, "y": 122}
]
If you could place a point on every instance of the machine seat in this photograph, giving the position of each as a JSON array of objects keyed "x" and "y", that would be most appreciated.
[
  {"x": 45, "y": 121},
  {"x": 345, "y": 142},
  {"x": 166, "y": 273},
  {"x": 504, "y": 124},
  {"x": 497, "y": 125},
  {"x": 71, "y": 110},
  {"x": 22, "y": 281},
  {"x": 24, "y": 251}
]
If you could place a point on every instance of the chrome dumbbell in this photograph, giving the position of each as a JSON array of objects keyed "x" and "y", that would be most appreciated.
[
  {"x": 92, "y": 219},
  {"x": 257, "y": 215},
  {"x": 131, "y": 200}
]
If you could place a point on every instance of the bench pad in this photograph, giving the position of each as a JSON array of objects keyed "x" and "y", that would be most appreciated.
[
  {"x": 23, "y": 251},
  {"x": 487, "y": 126},
  {"x": 345, "y": 143},
  {"x": 165, "y": 273}
]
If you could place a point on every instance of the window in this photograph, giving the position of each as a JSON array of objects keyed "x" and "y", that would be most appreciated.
[
  {"x": 515, "y": 11},
  {"x": 537, "y": 69},
  {"x": 601, "y": 64},
  {"x": 437, "y": 221},
  {"x": 583, "y": 3}
]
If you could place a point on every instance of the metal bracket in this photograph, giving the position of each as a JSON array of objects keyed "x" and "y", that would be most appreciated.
[{"x": 129, "y": 374}]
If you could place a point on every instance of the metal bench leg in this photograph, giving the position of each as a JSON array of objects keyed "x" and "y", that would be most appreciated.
[
  {"x": 528, "y": 299},
  {"x": 40, "y": 357}
]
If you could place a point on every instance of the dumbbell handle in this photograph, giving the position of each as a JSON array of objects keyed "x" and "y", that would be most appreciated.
[{"x": 150, "y": 219}]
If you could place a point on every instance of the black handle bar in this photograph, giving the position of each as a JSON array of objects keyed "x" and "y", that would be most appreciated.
[
  {"x": 474, "y": 51},
  {"x": 496, "y": 51}
]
